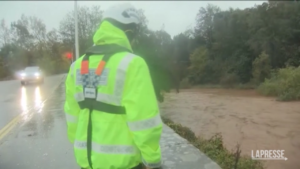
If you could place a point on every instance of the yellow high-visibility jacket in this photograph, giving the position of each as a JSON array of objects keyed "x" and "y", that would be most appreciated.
[{"x": 118, "y": 141}]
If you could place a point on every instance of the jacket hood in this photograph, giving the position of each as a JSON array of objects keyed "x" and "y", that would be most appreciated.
[{"x": 110, "y": 34}]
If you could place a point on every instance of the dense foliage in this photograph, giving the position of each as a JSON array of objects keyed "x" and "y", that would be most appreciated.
[
  {"x": 225, "y": 47},
  {"x": 248, "y": 46},
  {"x": 241, "y": 46}
]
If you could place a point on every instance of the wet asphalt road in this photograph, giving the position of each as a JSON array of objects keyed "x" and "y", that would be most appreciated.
[
  {"x": 39, "y": 140},
  {"x": 15, "y": 99}
]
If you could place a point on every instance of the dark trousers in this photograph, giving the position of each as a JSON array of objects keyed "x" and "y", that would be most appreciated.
[{"x": 140, "y": 166}]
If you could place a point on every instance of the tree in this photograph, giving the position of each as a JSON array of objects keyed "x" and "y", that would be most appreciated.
[
  {"x": 235, "y": 38},
  {"x": 229, "y": 46},
  {"x": 89, "y": 20},
  {"x": 261, "y": 68},
  {"x": 4, "y": 33}
]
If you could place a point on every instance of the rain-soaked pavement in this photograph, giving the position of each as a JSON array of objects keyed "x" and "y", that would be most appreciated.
[
  {"x": 16, "y": 100},
  {"x": 40, "y": 141}
]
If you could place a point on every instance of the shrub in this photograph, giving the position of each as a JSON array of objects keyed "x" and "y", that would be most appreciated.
[
  {"x": 185, "y": 84},
  {"x": 285, "y": 84},
  {"x": 229, "y": 80}
]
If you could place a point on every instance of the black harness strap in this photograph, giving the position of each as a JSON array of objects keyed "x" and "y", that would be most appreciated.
[
  {"x": 101, "y": 106},
  {"x": 107, "y": 51},
  {"x": 93, "y": 104}
]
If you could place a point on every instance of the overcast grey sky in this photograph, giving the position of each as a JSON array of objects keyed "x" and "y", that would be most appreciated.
[{"x": 176, "y": 15}]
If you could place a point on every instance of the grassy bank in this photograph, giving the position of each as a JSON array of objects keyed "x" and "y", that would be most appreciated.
[
  {"x": 215, "y": 150},
  {"x": 185, "y": 84},
  {"x": 282, "y": 83}
]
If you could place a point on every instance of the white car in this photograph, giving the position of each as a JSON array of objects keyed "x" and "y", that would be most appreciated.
[{"x": 31, "y": 74}]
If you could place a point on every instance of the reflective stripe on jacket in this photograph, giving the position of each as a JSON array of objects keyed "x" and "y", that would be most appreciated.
[{"x": 118, "y": 140}]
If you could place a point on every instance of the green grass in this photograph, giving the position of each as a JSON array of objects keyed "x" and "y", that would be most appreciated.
[{"x": 215, "y": 149}]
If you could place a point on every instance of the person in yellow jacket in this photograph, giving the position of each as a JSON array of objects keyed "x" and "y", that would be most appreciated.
[{"x": 111, "y": 109}]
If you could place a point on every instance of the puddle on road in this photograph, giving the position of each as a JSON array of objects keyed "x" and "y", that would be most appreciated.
[
  {"x": 43, "y": 114},
  {"x": 31, "y": 100},
  {"x": 256, "y": 122},
  {"x": 9, "y": 100}
]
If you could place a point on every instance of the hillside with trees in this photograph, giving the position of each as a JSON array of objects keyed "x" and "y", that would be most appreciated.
[{"x": 257, "y": 47}]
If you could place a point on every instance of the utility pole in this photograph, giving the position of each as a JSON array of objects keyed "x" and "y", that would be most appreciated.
[
  {"x": 76, "y": 31},
  {"x": 162, "y": 27},
  {"x": 73, "y": 52}
]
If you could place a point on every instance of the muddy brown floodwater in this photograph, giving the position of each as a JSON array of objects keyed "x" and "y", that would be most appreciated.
[{"x": 242, "y": 116}]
